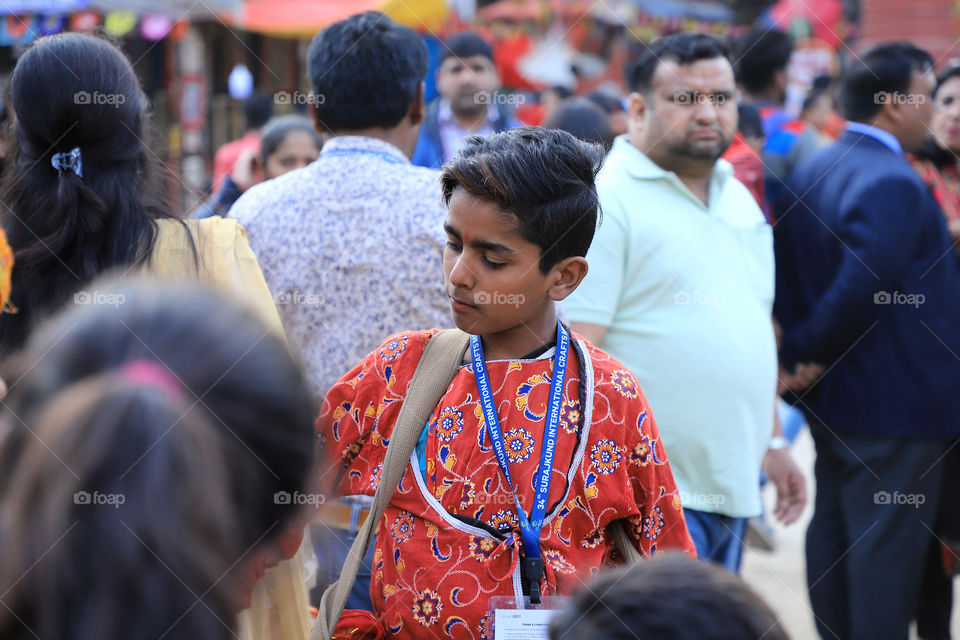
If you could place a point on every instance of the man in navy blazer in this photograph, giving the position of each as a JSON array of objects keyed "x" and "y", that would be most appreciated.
[{"x": 868, "y": 287}]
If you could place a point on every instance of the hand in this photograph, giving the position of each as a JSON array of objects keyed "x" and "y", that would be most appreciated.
[
  {"x": 802, "y": 378},
  {"x": 244, "y": 171},
  {"x": 791, "y": 487}
]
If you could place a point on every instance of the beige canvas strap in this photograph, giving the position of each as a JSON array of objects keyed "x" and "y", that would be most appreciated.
[{"x": 437, "y": 367}]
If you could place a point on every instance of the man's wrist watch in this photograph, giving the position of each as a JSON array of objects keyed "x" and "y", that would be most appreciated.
[{"x": 778, "y": 442}]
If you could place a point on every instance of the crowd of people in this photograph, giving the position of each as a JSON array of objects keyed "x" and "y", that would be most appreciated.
[{"x": 481, "y": 371}]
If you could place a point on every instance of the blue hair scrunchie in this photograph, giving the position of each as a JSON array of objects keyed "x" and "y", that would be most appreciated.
[{"x": 69, "y": 161}]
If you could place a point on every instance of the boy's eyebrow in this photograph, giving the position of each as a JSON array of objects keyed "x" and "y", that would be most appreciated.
[
  {"x": 479, "y": 244},
  {"x": 449, "y": 229}
]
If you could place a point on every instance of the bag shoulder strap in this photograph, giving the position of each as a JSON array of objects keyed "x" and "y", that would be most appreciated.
[
  {"x": 624, "y": 544},
  {"x": 438, "y": 365}
]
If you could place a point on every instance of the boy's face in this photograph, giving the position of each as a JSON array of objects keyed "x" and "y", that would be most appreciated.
[{"x": 491, "y": 274}]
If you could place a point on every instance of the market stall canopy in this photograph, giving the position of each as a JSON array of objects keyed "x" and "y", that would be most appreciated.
[
  {"x": 304, "y": 18},
  {"x": 709, "y": 11},
  {"x": 823, "y": 18},
  {"x": 26, "y": 7},
  {"x": 174, "y": 8}
]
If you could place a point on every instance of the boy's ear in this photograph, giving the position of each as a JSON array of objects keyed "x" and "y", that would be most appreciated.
[{"x": 567, "y": 276}]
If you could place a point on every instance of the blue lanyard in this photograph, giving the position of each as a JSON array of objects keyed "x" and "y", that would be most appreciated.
[
  {"x": 529, "y": 528},
  {"x": 360, "y": 152}
]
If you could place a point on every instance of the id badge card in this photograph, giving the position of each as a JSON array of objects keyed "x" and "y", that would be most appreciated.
[{"x": 516, "y": 619}]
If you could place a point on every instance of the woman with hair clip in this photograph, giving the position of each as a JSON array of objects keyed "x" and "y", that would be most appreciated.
[
  {"x": 82, "y": 197},
  {"x": 140, "y": 482}
]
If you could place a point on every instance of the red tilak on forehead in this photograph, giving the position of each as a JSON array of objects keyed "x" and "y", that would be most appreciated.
[{"x": 466, "y": 237}]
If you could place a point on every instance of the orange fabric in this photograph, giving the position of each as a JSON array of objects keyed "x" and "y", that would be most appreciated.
[
  {"x": 433, "y": 571},
  {"x": 304, "y": 18},
  {"x": 6, "y": 271},
  {"x": 747, "y": 166}
]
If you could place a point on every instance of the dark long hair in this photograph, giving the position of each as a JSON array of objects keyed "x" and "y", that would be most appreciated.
[
  {"x": 931, "y": 149},
  {"x": 126, "y": 497},
  {"x": 74, "y": 91}
]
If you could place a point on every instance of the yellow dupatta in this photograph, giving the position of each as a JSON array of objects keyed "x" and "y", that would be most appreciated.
[{"x": 280, "y": 609}]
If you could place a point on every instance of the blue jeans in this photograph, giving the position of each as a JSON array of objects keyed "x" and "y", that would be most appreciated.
[
  {"x": 332, "y": 546},
  {"x": 717, "y": 537}
]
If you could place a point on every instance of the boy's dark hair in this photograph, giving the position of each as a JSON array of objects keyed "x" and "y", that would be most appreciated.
[
  {"x": 668, "y": 597},
  {"x": 542, "y": 177},
  {"x": 368, "y": 69},
  {"x": 257, "y": 110},
  {"x": 276, "y": 131},
  {"x": 119, "y": 404},
  {"x": 760, "y": 54},
  {"x": 584, "y": 119},
  {"x": 682, "y": 48},
  {"x": 883, "y": 71},
  {"x": 750, "y": 124},
  {"x": 69, "y": 91},
  {"x": 466, "y": 44}
]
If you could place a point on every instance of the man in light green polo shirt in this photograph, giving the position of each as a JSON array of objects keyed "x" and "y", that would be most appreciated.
[{"x": 680, "y": 289}]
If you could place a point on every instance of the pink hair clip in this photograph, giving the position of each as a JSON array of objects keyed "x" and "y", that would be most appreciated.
[{"x": 153, "y": 374}]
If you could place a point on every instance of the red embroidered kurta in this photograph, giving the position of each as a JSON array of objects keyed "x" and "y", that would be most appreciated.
[{"x": 433, "y": 573}]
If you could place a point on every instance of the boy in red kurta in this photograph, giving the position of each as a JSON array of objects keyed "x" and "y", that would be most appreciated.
[{"x": 461, "y": 528}]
